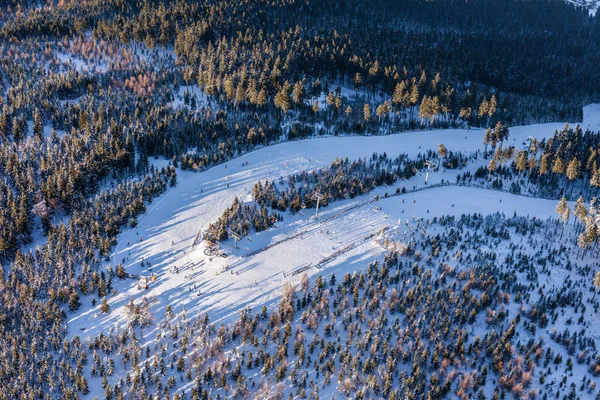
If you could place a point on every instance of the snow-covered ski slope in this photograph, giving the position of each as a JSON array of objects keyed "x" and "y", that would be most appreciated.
[{"x": 165, "y": 233}]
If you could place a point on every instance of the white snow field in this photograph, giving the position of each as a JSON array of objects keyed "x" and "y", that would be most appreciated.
[{"x": 165, "y": 233}]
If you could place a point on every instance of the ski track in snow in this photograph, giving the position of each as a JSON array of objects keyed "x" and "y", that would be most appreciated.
[{"x": 199, "y": 198}]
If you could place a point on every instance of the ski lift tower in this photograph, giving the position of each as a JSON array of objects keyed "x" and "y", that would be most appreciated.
[
  {"x": 429, "y": 165},
  {"x": 318, "y": 197},
  {"x": 236, "y": 238}
]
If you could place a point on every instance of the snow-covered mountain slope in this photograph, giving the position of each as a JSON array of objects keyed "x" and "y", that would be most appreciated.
[
  {"x": 591, "y": 5},
  {"x": 164, "y": 235},
  {"x": 185, "y": 283}
]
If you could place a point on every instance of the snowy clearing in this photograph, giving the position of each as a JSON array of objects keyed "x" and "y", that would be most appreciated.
[{"x": 165, "y": 233}]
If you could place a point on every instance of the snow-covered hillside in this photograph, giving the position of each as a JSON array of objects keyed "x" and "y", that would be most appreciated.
[
  {"x": 165, "y": 233},
  {"x": 174, "y": 278},
  {"x": 316, "y": 199},
  {"x": 591, "y": 5}
]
